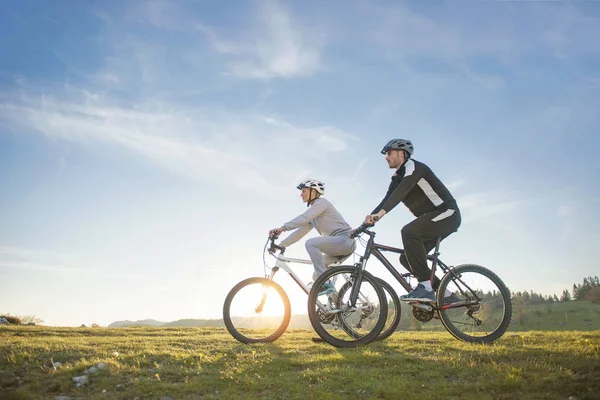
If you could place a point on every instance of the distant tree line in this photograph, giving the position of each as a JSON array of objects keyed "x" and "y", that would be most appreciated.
[
  {"x": 22, "y": 320},
  {"x": 537, "y": 298},
  {"x": 588, "y": 290}
]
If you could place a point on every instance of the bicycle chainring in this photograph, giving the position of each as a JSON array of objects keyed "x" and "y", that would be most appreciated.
[
  {"x": 422, "y": 315},
  {"x": 325, "y": 318},
  {"x": 368, "y": 311}
]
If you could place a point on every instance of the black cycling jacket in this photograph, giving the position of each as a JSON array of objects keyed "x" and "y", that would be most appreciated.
[{"x": 415, "y": 185}]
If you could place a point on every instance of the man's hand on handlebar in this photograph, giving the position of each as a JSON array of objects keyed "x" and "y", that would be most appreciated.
[{"x": 372, "y": 218}]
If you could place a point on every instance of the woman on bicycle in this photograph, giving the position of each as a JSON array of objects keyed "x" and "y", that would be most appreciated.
[{"x": 334, "y": 242}]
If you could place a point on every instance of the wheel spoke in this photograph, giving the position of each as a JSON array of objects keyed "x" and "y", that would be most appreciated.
[
  {"x": 256, "y": 310},
  {"x": 339, "y": 323},
  {"x": 483, "y": 320}
]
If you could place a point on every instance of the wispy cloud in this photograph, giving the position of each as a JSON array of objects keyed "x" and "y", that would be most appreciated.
[
  {"x": 558, "y": 28},
  {"x": 359, "y": 168},
  {"x": 52, "y": 263},
  {"x": 198, "y": 143},
  {"x": 454, "y": 40},
  {"x": 310, "y": 142},
  {"x": 54, "y": 269},
  {"x": 102, "y": 15},
  {"x": 275, "y": 46},
  {"x": 455, "y": 184},
  {"x": 475, "y": 206},
  {"x": 266, "y": 44}
]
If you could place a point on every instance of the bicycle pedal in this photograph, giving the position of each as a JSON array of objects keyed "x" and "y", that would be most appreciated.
[
  {"x": 421, "y": 305},
  {"x": 416, "y": 302}
]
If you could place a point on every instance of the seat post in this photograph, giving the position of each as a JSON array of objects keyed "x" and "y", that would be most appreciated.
[
  {"x": 436, "y": 253},
  {"x": 437, "y": 246}
]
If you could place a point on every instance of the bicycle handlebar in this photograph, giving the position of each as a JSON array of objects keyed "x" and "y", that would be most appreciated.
[
  {"x": 361, "y": 229},
  {"x": 274, "y": 246}
]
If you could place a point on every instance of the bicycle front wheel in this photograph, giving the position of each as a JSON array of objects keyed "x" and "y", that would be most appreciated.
[
  {"x": 334, "y": 316},
  {"x": 393, "y": 314},
  {"x": 256, "y": 310},
  {"x": 480, "y": 309}
]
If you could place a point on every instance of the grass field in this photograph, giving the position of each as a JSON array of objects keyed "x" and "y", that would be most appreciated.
[
  {"x": 567, "y": 316},
  {"x": 201, "y": 363}
]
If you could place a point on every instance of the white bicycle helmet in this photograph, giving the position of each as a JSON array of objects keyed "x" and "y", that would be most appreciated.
[
  {"x": 313, "y": 184},
  {"x": 399, "y": 144}
]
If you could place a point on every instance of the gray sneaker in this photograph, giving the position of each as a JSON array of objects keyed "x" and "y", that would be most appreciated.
[{"x": 419, "y": 294}]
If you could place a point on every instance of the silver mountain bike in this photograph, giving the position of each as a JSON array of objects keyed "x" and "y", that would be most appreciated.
[{"x": 258, "y": 310}]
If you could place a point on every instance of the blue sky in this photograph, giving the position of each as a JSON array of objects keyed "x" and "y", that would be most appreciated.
[{"x": 147, "y": 147}]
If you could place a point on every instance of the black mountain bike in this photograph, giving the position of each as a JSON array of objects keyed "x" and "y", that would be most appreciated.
[{"x": 472, "y": 303}]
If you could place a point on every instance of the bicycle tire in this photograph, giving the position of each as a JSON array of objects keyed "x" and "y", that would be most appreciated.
[
  {"x": 353, "y": 341},
  {"x": 238, "y": 334},
  {"x": 448, "y": 320},
  {"x": 388, "y": 330},
  {"x": 392, "y": 321}
]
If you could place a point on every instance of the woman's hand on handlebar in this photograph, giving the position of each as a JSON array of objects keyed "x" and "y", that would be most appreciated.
[
  {"x": 355, "y": 232},
  {"x": 275, "y": 232}
]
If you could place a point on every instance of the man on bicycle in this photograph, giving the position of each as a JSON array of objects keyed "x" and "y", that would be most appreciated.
[
  {"x": 334, "y": 242},
  {"x": 437, "y": 214}
]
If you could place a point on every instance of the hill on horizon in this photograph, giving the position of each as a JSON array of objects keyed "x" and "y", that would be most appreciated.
[
  {"x": 142, "y": 322},
  {"x": 569, "y": 315}
]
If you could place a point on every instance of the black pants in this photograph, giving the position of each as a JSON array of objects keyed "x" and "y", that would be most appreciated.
[{"x": 419, "y": 238}]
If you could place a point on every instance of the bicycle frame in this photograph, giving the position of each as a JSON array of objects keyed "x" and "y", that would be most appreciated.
[
  {"x": 283, "y": 263},
  {"x": 376, "y": 250}
]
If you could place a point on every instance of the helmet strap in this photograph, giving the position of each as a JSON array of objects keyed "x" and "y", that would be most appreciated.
[{"x": 310, "y": 199}]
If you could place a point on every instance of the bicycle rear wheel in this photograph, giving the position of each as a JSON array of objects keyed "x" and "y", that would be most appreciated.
[
  {"x": 336, "y": 320},
  {"x": 393, "y": 314},
  {"x": 481, "y": 309},
  {"x": 256, "y": 310}
]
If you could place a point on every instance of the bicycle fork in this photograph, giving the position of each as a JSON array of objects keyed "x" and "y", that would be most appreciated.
[
  {"x": 260, "y": 306},
  {"x": 366, "y": 307},
  {"x": 263, "y": 299}
]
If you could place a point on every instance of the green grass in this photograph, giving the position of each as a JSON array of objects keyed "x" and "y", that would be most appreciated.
[
  {"x": 567, "y": 316},
  {"x": 195, "y": 363}
]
